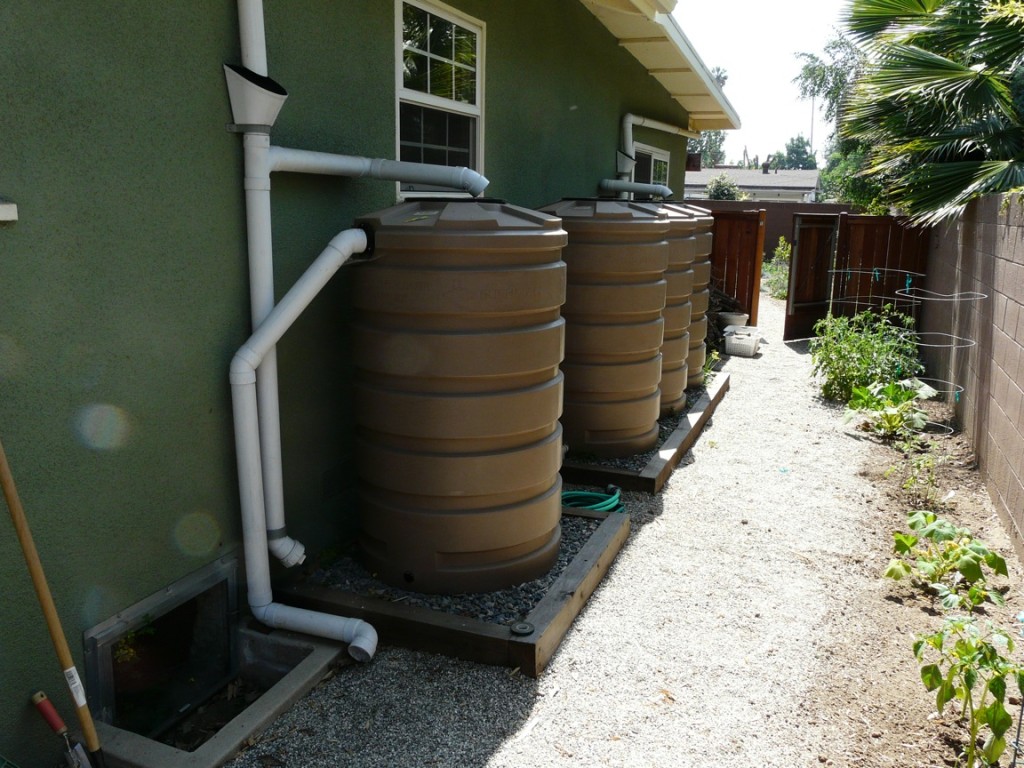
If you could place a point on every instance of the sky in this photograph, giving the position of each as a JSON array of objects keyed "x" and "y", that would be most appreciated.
[{"x": 756, "y": 43}]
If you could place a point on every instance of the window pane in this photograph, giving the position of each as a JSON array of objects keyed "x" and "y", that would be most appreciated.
[
  {"x": 460, "y": 132},
  {"x": 660, "y": 172},
  {"x": 465, "y": 47},
  {"x": 411, "y": 123},
  {"x": 465, "y": 85},
  {"x": 435, "y": 156},
  {"x": 414, "y": 75},
  {"x": 414, "y": 23},
  {"x": 442, "y": 38},
  {"x": 458, "y": 158},
  {"x": 435, "y": 127},
  {"x": 642, "y": 169},
  {"x": 411, "y": 154},
  {"x": 441, "y": 79}
]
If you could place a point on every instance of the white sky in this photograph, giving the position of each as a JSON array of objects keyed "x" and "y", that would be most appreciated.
[{"x": 756, "y": 43}]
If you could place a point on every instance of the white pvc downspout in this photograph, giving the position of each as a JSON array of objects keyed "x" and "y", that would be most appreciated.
[
  {"x": 304, "y": 161},
  {"x": 638, "y": 187},
  {"x": 361, "y": 637},
  {"x": 626, "y": 158},
  {"x": 254, "y": 369}
]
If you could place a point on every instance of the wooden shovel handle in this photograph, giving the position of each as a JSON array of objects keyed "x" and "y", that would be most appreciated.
[{"x": 35, "y": 570}]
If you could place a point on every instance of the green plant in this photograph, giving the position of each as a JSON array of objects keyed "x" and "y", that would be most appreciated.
[
  {"x": 722, "y": 187},
  {"x": 709, "y": 366},
  {"x": 857, "y": 351},
  {"x": 890, "y": 410},
  {"x": 947, "y": 560},
  {"x": 776, "y": 272},
  {"x": 125, "y": 647},
  {"x": 918, "y": 467},
  {"x": 970, "y": 667}
]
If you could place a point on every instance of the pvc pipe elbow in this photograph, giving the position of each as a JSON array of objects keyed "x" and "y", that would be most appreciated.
[
  {"x": 364, "y": 642},
  {"x": 287, "y": 550}
]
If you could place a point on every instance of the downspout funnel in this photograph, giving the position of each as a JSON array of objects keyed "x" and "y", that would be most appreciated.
[
  {"x": 624, "y": 164},
  {"x": 255, "y": 99}
]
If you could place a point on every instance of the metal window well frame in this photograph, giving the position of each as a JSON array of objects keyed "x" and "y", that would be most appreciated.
[
  {"x": 287, "y": 664},
  {"x": 102, "y": 640}
]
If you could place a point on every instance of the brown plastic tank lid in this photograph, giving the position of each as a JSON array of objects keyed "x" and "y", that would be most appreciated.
[
  {"x": 681, "y": 217},
  {"x": 607, "y": 210}
]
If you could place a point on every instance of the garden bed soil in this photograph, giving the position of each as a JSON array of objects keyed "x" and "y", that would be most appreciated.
[{"x": 873, "y": 693}]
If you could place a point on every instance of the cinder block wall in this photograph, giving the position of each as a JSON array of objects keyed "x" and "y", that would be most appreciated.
[{"x": 983, "y": 253}]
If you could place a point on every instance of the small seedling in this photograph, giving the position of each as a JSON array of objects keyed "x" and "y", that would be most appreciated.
[{"x": 969, "y": 666}]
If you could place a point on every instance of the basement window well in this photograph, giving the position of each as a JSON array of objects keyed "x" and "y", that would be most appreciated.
[{"x": 151, "y": 665}]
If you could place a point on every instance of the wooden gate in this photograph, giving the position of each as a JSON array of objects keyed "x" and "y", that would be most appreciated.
[
  {"x": 847, "y": 263},
  {"x": 736, "y": 255}
]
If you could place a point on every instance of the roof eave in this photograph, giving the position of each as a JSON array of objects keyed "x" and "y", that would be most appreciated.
[{"x": 648, "y": 31}]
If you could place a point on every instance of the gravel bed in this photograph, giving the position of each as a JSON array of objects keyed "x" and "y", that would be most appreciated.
[
  {"x": 703, "y": 644},
  {"x": 505, "y": 606},
  {"x": 637, "y": 462}
]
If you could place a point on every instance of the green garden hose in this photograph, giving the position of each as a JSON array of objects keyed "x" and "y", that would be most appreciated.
[{"x": 609, "y": 501}]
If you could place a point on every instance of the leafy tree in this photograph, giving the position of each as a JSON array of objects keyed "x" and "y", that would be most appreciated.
[
  {"x": 710, "y": 147},
  {"x": 831, "y": 80},
  {"x": 799, "y": 155},
  {"x": 938, "y": 101},
  {"x": 722, "y": 187}
]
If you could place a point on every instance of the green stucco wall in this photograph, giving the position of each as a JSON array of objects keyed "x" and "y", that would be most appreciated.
[{"x": 124, "y": 290}]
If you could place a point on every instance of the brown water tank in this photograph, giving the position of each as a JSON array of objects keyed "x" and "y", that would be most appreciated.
[
  {"x": 701, "y": 293},
  {"x": 679, "y": 275},
  {"x": 457, "y": 340},
  {"x": 616, "y": 257}
]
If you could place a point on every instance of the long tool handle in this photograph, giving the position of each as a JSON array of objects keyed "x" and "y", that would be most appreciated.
[{"x": 60, "y": 643}]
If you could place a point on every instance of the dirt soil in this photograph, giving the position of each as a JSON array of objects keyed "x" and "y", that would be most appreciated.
[{"x": 873, "y": 692}]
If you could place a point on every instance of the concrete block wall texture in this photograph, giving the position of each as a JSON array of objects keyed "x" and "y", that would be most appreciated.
[{"x": 983, "y": 253}]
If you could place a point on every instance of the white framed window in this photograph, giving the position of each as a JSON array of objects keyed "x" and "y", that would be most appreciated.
[
  {"x": 439, "y": 79},
  {"x": 651, "y": 166}
]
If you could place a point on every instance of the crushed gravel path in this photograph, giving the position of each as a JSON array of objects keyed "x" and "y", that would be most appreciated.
[{"x": 699, "y": 647}]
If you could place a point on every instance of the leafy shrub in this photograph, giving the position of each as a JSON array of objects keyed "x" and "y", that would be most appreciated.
[
  {"x": 890, "y": 410},
  {"x": 861, "y": 350},
  {"x": 947, "y": 560},
  {"x": 722, "y": 187},
  {"x": 776, "y": 272}
]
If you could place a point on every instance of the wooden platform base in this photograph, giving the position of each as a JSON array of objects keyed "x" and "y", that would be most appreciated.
[
  {"x": 652, "y": 477},
  {"x": 528, "y": 645}
]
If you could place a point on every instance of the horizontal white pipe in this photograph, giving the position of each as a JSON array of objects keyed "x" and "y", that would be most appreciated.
[
  {"x": 245, "y": 406},
  {"x": 360, "y": 636},
  {"x": 305, "y": 161},
  {"x": 618, "y": 185}
]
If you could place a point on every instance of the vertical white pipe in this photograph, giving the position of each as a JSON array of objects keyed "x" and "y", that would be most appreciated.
[
  {"x": 362, "y": 638},
  {"x": 253, "y": 36}
]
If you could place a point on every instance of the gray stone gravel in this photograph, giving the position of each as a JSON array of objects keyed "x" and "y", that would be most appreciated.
[
  {"x": 505, "y": 606},
  {"x": 698, "y": 648}
]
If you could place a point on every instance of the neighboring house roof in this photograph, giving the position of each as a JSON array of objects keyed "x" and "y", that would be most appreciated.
[
  {"x": 803, "y": 181},
  {"x": 647, "y": 30}
]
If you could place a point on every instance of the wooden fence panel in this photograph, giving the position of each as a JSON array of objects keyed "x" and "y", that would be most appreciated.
[{"x": 736, "y": 255}]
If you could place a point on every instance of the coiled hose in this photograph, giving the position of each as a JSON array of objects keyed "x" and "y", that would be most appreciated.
[{"x": 609, "y": 501}]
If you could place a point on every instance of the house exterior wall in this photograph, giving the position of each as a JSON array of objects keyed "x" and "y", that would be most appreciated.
[
  {"x": 124, "y": 283},
  {"x": 983, "y": 253}
]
